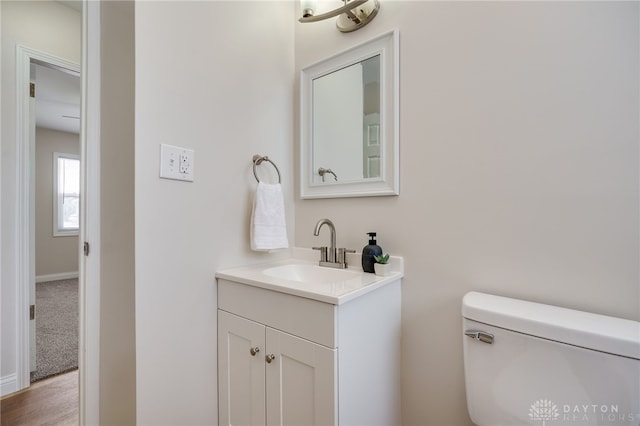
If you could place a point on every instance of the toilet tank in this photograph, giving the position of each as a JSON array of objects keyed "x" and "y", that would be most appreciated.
[{"x": 533, "y": 364}]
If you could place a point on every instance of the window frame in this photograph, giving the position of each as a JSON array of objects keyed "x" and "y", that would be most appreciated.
[{"x": 59, "y": 231}]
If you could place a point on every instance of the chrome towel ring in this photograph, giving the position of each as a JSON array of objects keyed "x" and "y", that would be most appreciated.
[{"x": 258, "y": 159}]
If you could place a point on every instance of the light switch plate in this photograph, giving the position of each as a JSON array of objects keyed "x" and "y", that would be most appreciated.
[{"x": 176, "y": 163}]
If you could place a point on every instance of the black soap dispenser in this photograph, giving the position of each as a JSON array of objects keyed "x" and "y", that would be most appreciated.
[{"x": 370, "y": 252}]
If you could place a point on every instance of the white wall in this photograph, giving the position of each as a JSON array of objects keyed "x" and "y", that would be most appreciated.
[
  {"x": 519, "y": 170},
  {"x": 55, "y": 29},
  {"x": 215, "y": 77},
  {"x": 54, "y": 255}
]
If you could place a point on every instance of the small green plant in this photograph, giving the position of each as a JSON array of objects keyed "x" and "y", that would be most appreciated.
[{"x": 382, "y": 259}]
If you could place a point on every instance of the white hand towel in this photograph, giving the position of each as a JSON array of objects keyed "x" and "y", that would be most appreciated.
[{"x": 268, "y": 224}]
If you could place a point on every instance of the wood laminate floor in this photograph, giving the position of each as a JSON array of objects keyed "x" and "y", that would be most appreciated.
[{"x": 51, "y": 402}]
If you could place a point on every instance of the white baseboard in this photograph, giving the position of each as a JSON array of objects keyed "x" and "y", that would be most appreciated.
[
  {"x": 8, "y": 384},
  {"x": 56, "y": 277}
]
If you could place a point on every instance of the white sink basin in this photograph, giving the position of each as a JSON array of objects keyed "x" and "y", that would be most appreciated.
[
  {"x": 314, "y": 274},
  {"x": 302, "y": 276}
]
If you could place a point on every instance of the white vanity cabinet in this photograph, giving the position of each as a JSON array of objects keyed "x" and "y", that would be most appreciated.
[
  {"x": 290, "y": 360},
  {"x": 271, "y": 376}
]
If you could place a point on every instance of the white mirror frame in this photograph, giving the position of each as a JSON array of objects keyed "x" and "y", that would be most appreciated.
[{"x": 387, "y": 46}]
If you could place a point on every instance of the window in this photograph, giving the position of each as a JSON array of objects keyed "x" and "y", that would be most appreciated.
[{"x": 66, "y": 194}]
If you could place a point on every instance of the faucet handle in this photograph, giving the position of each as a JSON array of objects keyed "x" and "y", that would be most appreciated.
[
  {"x": 342, "y": 255},
  {"x": 323, "y": 253}
]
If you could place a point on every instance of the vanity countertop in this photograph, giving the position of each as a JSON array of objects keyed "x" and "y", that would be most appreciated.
[{"x": 302, "y": 277}]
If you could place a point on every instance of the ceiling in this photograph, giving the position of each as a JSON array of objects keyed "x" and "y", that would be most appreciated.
[{"x": 57, "y": 99}]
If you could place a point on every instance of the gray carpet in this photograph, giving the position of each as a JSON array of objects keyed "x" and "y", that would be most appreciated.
[{"x": 56, "y": 328}]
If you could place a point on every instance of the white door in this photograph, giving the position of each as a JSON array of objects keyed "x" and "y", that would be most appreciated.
[
  {"x": 371, "y": 145},
  {"x": 301, "y": 381},
  {"x": 241, "y": 370}
]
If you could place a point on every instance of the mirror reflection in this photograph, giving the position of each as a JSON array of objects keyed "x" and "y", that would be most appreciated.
[{"x": 346, "y": 123}]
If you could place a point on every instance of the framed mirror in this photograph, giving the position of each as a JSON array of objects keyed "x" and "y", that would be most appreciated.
[{"x": 349, "y": 122}]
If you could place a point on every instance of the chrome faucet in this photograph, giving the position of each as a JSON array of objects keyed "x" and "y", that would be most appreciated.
[
  {"x": 332, "y": 229},
  {"x": 322, "y": 171},
  {"x": 331, "y": 256}
]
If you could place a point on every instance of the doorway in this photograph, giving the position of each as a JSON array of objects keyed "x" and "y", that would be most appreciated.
[
  {"x": 15, "y": 179},
  {"x": 30, "y": 64},
  {"x": 16, "y": 230},
  {"x": 56, "y": 111}
]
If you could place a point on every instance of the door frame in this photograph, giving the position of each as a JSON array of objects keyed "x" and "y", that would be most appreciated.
[
  {"x": 89, "y": 295},
  {"x": 25, "y": 217},
  {"x": 89, "y": 266}
]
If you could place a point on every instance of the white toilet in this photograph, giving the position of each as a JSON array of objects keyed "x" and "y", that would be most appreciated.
[{"x": 532, "y": 364}]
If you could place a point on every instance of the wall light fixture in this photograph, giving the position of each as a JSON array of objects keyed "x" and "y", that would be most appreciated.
[{"x": 353, "y": 15}]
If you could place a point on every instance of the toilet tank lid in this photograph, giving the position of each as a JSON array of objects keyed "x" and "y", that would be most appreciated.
[{"x": 593, "y": 331}]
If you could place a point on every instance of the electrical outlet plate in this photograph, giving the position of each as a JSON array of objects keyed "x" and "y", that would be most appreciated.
[{"x": 176, "y": 163}]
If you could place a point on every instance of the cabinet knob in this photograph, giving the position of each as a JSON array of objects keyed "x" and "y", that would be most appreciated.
[
  {"x": 269, "y": 358},
  {"x": 254, "y": 351}
]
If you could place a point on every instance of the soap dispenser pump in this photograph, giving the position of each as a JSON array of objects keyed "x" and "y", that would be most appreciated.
[{"x": 370, "y": 252}]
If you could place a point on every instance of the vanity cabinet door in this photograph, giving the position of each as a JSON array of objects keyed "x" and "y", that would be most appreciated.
[
  {"x": 241, "y": 370},
  {"x": 301, "y": 381}
]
